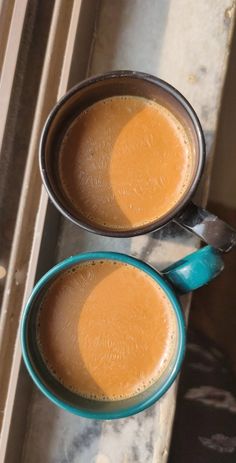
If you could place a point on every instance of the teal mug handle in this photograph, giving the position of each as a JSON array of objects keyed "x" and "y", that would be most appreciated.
[{"x": 195, "y": 270}]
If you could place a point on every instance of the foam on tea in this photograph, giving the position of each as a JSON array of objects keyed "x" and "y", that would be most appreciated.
[
  {"x": 106, "y": 330},
  {"x": 125, "y": 162}
]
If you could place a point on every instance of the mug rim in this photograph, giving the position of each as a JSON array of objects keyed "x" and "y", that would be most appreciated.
[
  {"x": 177, "y": 209},
  {"x": 181, "y": 342}
]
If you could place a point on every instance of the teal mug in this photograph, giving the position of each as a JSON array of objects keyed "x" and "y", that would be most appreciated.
[{"x": 195, "y": 270}]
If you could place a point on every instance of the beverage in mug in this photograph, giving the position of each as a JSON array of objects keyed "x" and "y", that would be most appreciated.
[
  {"x": 121, "y": 154},
  {"x": 103, "y": 334},
  {"x": 106, "y": 330},
  {"x": 125, "y": 162}
]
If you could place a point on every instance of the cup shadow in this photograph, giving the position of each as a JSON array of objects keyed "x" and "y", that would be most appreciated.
[
  {"x": 51, "y": 347},
  {"x": 95, "y": 193}
]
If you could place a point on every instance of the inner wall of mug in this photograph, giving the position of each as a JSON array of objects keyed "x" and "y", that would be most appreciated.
[
  {"x": 84, "y": 96},
  {"x": 66, "y": 398}
]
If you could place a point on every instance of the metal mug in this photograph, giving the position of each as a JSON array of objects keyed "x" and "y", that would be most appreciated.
[
  {"x": 207, "y": 226},
  {"x": 185, "y": 275}
]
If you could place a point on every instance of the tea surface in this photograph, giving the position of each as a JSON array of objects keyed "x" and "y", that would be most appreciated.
[
  {"x": 106, "y": 330},
  {"x": 125, "y": 162}
]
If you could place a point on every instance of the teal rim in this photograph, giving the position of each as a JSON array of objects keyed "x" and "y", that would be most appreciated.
[{"x": 144, "y": 403}]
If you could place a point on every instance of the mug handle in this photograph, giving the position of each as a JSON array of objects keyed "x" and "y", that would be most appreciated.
[
  {"x": 195, "y": 270},
  {"x": 208, "y": 227}
]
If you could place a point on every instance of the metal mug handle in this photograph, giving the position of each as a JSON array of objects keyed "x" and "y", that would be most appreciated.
[
  {"x": 208, "y": 227},
  {"x": 195, "y": 270}
]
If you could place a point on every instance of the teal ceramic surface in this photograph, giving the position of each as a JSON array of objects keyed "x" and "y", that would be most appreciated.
[{"x": 194, "y": 271}]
